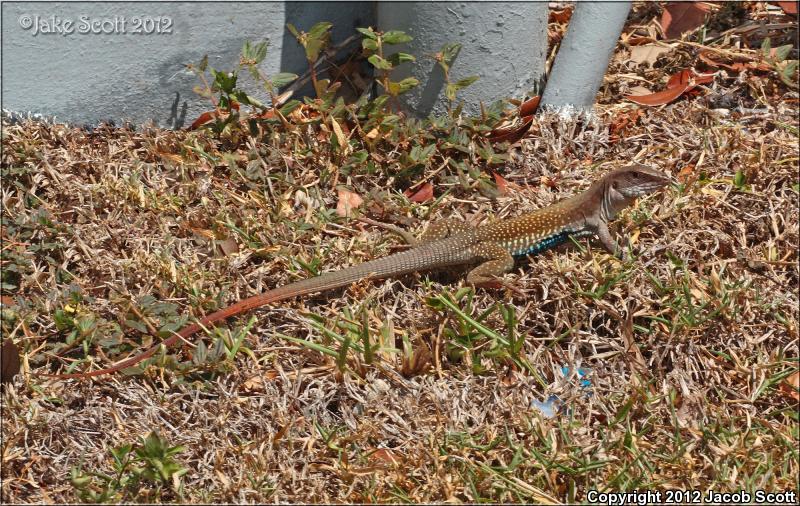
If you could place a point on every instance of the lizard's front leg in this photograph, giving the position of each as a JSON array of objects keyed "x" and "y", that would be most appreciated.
[
  {"x": 497, "y": 262},
  {"x": 609, "y": 243}
]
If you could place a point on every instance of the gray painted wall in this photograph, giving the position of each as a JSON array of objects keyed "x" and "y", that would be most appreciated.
[
  {"x": 87, "y": 78},
  {"x": 121, "y": 75},
  {"x": 125, "y": 76},
  {"x": 504, "y": 43}
]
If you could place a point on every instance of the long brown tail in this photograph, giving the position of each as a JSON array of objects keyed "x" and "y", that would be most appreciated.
[{"x": 428, "y": 256}]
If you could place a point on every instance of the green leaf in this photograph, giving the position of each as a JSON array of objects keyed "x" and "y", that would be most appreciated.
[
  {"x": 463, "y": 83},
  {"x": 225, "y": 81},
  {"x": 368, "y": 32},
  {"x": 739, "y": 179},
  {"x": 450, "y": 92},
  {"x": 322, "y": 87},
  {"x": 311, "y": 345},
  {"x": 141, "y": 327},
  {"x": 782, "y": 52},
  {"x": 369, "y": 44},
  {"x": 448, "y": 54},
  {"x": 319, "y": 30},
  {"x": 282, "y": 79},
  {"x": 396, "y": 37},
  {"x": 314, "y": 48},
  {"x": 788, "y": 73},
  {"x": 203, "y": 63},
  {"x": 293, "y": 30},
  {"x": 398, "y": 58},
  {"x": 379, "y": 63},
  {"x": 397, "y": 88},
  {"x": 290, "y": 106},
  {"x": 256, "y": 53},
  {"x": 766, "y": 45}
]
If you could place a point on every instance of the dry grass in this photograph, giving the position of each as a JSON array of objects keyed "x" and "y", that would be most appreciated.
[{"x": 687, "y": 346}]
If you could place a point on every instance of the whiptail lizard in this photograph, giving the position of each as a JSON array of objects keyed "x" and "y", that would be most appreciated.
[{"x": 450, "y": 243}]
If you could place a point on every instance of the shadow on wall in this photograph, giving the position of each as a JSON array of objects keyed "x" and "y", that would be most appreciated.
[
  {"x": 177, "y": 120},
  {"x": 430, "y": 94},
  {"x": 345, "y": 16}
]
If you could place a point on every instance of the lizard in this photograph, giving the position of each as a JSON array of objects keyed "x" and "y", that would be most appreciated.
[{"x": 448, "y": 243}]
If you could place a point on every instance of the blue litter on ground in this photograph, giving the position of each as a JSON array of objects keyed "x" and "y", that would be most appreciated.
[
  {"x": 548, "y": 408},
  {"x": 553, "y": 405},
  {"x": 581, "y": 373}
]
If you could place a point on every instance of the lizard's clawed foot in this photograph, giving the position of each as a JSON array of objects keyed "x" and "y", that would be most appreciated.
[{"x": 498, "y": 284}]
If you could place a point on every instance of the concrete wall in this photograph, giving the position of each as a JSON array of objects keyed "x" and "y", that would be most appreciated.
[
  {"x": 504, "y": 43},
  {"x": 121, "y": 75}
]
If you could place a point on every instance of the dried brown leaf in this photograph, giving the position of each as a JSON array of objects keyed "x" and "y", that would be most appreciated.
[
  {"x": 424, "y": 194},
  {"x": 648, "y": 54},
  {"x": 680, "y": 17},
  {"x": 9, "y": 361},
  {"x": 348, "y": 201}
]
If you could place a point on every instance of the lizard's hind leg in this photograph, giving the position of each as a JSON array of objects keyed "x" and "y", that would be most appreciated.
[
  {"x": 443, "y": 229},
  {"x": 497, "y": 262}
]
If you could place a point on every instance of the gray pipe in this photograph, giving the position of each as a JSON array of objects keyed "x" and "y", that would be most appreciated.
[{"x": 584, "y": 54}]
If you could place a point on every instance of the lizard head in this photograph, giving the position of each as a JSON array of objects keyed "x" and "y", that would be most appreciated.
[
  {"x": 620, "y": 187},
  {"x": 633, "y": 181}
]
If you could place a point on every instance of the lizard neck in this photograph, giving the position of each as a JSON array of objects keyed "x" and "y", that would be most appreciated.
[{"x": 604, "y": 202}]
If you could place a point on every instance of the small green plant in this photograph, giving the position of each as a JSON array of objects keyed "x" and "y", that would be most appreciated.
[
  {"x": 314, "y": 42},
  {"x": 227, "y": 97},
  {"x": 469, "y": 335},
  {"x": 252, "y": 55},
  {"x": 143, "y": 473},
  {"x": 776, "y": 58},
  {"x": 445, "y": 59},
  {"x": 374, "y": 44}
]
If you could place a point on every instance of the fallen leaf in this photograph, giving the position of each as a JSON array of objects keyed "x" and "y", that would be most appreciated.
[
  {"x": 659, "y": 98},
  {"x": 341, "y": 138},
  {"x": 424, "y": 194},
  {"x": 256, "y": 383},
  {"x": 638, "y": 41},
  {"x": 791, "y": 386},
  {"x": 385, "y": 456},
  {"x": 228, "y": 246},
  {"x": 511, "y": 134},
  {"x": 678, "y": 84},
  {"x": 203, "y": 119},
  {"x": 788, "y": 7},
  {"x": 502, "y": 184},
  {"x": 686, "y": 76},
  {"x": 639, "y": 90},
  {"x": 686, "y": 173},
  {"x": 347, "y": 202},
  {"x": 706, "y": 58},
  {"x": 210, "y": 115},
  {"x": 267, "y": 114},
  {"x": 9, "y": 361},
  {"x": 680, "y": 17},
  {"x": 529, "y": 106},
  {"x": 623, "y": 120},
  {"x": 648, "y": 54},
  {"x": 562, "y": 16}
]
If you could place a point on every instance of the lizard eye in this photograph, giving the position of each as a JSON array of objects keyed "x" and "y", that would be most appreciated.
[{"x": 635, "y": 174}]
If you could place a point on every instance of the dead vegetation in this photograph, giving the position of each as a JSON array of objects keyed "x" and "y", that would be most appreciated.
[{"x": 113, "y": 236}]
